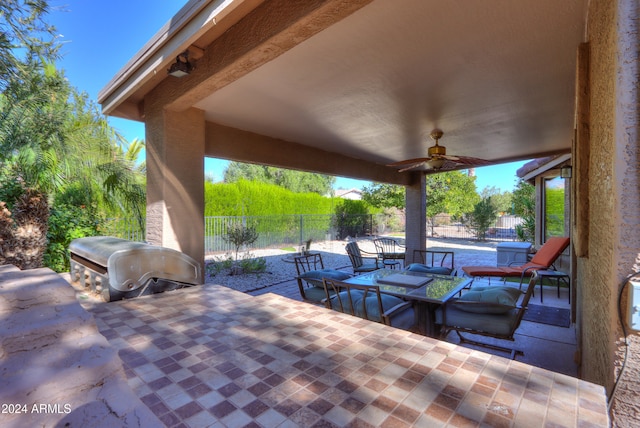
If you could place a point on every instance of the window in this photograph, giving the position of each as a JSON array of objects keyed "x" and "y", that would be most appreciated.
[{"x": 554, "y": 202}]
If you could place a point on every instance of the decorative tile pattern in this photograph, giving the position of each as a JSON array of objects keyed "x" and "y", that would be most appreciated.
[{"x": 209, "y": 355}]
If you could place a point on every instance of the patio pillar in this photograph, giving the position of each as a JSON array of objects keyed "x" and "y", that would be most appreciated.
[
  {"x": 175, "y": 180},
  {"x": 416, "y": 215}
]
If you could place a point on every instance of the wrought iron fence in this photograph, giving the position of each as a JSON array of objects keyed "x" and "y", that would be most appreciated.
[
  {"x": 123, "y": 228},
  {"x": 503, "y": 229},
  {"x": 294, "y": 230},
  {"x": 286, "y": 230}
]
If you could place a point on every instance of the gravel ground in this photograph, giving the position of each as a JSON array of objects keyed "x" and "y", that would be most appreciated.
[{"x": 280, "y": 267}]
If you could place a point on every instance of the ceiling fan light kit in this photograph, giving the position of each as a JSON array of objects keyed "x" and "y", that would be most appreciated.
[{"x": 435, "y": 163}]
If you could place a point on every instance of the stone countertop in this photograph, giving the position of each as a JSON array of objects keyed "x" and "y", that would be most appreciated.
[
  {"x": 206, "y": 355},
  {"x": 56, "y": 369}
]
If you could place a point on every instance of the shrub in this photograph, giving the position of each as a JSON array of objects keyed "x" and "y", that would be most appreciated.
[
  {"x": 524, "y": 206},
  {"x": 526, "y": 231},
  {"x": 247, "y": 264},
  {"x": 66, "y": 223},
  {"x": 482, "y": 218},
  {"x": 240, "y": 236},
  {"x": 252, "y": 264},
  {"x": 352, "y": 219},
  {"x": 393, "y": 219}
]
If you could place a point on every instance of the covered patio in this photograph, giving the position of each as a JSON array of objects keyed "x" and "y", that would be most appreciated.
[{"x": 347, "y": 88}]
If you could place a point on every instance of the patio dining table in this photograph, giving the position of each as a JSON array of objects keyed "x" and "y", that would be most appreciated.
[{"x": 426, "y": 291}]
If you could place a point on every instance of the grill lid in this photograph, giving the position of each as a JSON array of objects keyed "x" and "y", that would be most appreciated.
[
  {"x": 130, "y": 265},
  {"x": 98, "y": 249},
  {"x": 130, "y": 269}
]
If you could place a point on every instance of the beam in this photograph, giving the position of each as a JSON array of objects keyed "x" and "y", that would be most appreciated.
[{"x": 243, "y": 146}]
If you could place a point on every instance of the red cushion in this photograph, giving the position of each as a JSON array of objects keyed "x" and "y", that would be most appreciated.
[
  {"x": 501, "y": 271},
  {"x": 546, "y": 255},
  {"x": 550, "y": 251}
]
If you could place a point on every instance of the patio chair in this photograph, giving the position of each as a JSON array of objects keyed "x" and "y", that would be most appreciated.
[
  {"x": 366, "y": 301},
  {"x": 389, "y": 251},
  {"x": 542, "y": 260},
  {"x": 311, "y": 270},
  {"x": 486, "y": 311},
  {"x": 367, "y": 263},
  {"x": 433, "y": 261}
]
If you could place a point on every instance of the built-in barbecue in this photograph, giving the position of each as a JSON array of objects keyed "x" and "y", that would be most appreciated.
[{"x": 119, "y": 269}]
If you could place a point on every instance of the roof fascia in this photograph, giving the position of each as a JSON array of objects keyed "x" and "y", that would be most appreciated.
[
  {"x": 546, "y": 167},
  {"x": 192, "y": 21}
]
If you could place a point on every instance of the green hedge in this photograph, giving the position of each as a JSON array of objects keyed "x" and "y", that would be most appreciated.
[
  {"x": 253, "y": 198},
  {"x": 275, "y": 211},
  {"x": 555, "y": 212}
]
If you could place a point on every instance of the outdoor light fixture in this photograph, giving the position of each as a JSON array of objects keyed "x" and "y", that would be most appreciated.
[
  {"x": 565, "y": 171},
  {"x": 182, "y": 66}
]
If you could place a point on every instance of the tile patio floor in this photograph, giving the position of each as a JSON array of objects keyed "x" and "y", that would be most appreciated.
[{"x": 545, "y": 346}]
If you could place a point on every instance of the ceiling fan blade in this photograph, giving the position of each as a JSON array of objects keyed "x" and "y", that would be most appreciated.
[
  {"x": 409, "y": 162},
  {"x": 438, "y": 159},
  {"x": 449, "y": 165},
  {"x": 412, "y": 166},
  {"x": 467, "y": 160}
]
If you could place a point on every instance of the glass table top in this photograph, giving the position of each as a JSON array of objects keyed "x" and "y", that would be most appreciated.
[{"x": 438, "y": 289}]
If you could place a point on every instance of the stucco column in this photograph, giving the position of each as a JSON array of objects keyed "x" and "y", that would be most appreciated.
[
  {"x": 611, "y": 229},
  {"x": 175, "y": 180},
  {"x": 416, "y": 215}
]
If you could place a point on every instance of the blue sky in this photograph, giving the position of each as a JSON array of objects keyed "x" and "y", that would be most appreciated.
[{"x": 100, "y": 36}]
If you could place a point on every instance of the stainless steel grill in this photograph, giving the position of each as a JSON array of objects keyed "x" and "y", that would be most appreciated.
[{"x": 119, "y": 269}]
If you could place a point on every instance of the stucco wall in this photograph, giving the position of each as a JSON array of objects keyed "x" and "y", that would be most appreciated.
[
  {"x": 614, "y": 196},
  {"x": 595, "y": 273}
]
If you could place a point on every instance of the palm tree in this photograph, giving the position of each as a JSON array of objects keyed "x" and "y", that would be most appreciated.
[{"x": 54, "y": 143}]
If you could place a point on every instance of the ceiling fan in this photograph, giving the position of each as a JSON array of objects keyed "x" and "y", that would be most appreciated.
[{"x": 438, "y": 159}]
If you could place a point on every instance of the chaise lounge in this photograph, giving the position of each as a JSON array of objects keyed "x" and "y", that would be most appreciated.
[{"x": 543, "y": 259}]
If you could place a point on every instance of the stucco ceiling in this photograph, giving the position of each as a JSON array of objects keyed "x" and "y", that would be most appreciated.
[
  {"x": 369, "y": 80},
  {"x": 497, "y": 76}
]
